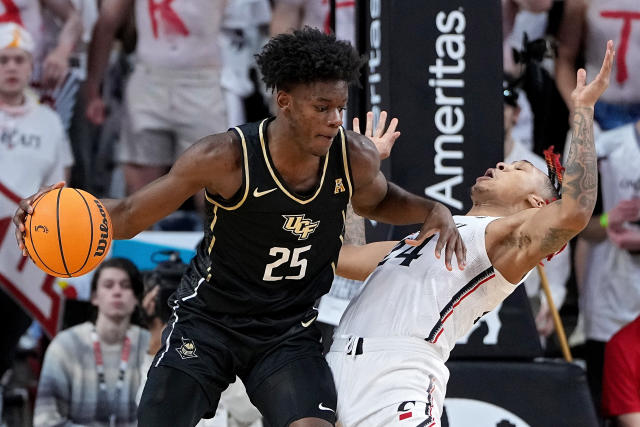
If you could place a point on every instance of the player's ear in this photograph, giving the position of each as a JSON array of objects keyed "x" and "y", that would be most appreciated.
[
  {"x": 283, "y": 100},
  {"x": 536, "y": 201}
]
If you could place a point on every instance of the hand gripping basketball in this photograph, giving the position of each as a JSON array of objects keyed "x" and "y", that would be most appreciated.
[{"x": 65, "y": 231}]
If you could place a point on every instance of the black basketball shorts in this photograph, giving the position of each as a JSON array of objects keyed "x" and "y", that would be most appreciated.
[{"x": 285, "y": 375}]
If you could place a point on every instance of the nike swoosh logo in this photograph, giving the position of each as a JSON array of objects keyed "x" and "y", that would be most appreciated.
[
  {"x": 324, "y": 408},
  {"x": 306, "y": 324},
  {"x": 257, "y": 193}
]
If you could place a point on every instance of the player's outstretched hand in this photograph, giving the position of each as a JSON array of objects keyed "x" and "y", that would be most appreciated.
[
  {"x": 440, "y": 220},
  {"x": 382, "y": 139},
  {"x": 25, "y": 208},
  {"x": 586, "y": 95}
]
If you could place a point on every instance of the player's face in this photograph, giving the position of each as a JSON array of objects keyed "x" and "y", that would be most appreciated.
[
  {"x": 15, "y": 70},
  {"x": 510, "y": 183},
  {"x": 315, "y": 112},
  {"x": 114, "y": 295}
]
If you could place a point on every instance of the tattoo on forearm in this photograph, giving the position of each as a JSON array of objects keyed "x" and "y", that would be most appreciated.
[
  {"x": 581, "y": 175},
  {"x": 554, "y": 239},
  {"x": 354, "y": 228}
]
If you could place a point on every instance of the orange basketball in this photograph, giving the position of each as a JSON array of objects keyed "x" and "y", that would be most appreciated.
[{"x": 69, "y": 232}]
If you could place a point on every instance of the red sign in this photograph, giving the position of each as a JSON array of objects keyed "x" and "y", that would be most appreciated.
[{"x": 29, "y": 286}]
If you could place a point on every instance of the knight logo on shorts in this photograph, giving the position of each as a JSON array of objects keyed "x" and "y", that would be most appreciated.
[
  {"x": 339, "y": 186},
  {"x": 299, "y": 226},
  {"x": 188, "y": 349}
]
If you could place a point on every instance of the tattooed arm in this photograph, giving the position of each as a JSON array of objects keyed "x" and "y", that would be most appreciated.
[{"x": 518, "y": 242}]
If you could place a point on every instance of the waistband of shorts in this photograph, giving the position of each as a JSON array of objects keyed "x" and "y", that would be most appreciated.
[
  {"x": 190, "y": 73},
  {"x": 354, "y": 345}
]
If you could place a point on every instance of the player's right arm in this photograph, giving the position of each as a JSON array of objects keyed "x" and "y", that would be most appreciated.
[
  {"x": 516, "y": 243},
  {"x": 213, "y": 163}
]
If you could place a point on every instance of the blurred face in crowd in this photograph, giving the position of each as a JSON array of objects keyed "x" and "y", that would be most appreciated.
[
  {"x": 114, "y": 296},
  {"x": 15, "y": 71}
]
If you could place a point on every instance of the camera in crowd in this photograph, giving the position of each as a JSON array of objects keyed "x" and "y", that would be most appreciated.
[
  {"x": 533, "y": 75},
  {"x": 535, "y": 51},
  {"x": 166, "y": 275}
]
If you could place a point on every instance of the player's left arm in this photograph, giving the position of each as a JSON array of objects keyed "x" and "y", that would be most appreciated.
[
  {"x": 376, "y": 198},
  {"x": 357, "y": 262},
  {"x": 515, "y": 244}
]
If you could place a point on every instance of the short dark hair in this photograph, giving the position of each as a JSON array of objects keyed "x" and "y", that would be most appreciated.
[
  {"x": 128, "y": 267},
  {"x": 551, "y": 192},
  {"x": 307, "y": 56}
]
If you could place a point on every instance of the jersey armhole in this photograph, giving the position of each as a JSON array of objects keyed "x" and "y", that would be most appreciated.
[{"x": 241, "y": 195}]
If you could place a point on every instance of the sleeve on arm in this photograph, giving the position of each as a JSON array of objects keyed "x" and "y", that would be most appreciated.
[{"x": 54, "y": 389}]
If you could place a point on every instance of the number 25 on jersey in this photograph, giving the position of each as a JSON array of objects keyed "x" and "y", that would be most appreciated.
[{"x": 286, "y": 255}]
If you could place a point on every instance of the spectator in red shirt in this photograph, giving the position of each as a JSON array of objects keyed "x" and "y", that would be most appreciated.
[{"x": 621, "y": 380}]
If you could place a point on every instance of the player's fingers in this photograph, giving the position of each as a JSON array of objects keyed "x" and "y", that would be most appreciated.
[
  {"x": 368, "y": 131},
  {"x": 440, "y": 244},
  {"x": 448, "y": 251},
  {"x": 382, "y": 121},
  {"x": 393, "y": 124},
  {"x": 460, "y": 253},
  {"x": 356, "y": 125},
  {"x": 607, "y": 63},
  {"x": 581, "y": 78},
  {"x": 422, "y": 235}
]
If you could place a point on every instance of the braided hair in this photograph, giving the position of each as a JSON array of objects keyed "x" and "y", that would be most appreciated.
[{"x": 555, "y": 171}]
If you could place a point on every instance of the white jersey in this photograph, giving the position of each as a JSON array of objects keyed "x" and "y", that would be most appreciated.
[
  {"x": 615, "y": 20},
  {"x": 34, "y": 149},
  {"x": 611, "y": 294},
  {"x": 409, "y": 315},
  {"x": 179, "y": 34},
  {"x": 412, "y": 294}
]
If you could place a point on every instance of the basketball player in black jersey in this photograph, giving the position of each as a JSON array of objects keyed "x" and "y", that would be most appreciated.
[{"x": 277, "y": 193}]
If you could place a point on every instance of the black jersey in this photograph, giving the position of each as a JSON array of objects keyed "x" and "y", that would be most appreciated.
[{"x": 268, "y": 250}]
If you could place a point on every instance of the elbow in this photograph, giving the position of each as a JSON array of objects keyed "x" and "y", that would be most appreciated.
[{"x": 577, "y": 219}]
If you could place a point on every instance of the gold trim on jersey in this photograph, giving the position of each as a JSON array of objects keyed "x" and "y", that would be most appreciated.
[
  {"x": 213, "y": 223},
  {"x": 345, "y": 161},
  {"x": 275, "y": 177},
  {"x": 333, "y": 267},
  {"x": 246, "y": 177}
]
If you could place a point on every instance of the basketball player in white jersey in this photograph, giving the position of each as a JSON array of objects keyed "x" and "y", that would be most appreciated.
[{"x": 388, "y": 356}]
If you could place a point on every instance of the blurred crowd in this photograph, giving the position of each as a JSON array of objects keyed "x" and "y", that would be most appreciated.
[{"x": 106, "y": 94}]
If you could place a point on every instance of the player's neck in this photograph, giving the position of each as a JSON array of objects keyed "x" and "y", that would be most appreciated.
[
  {"x": 280, "y": 136},
  {"x": 489, "y": 209},
  {"x": 112, "y": 330}
]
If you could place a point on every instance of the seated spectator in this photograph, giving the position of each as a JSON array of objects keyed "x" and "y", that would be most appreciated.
[
  {"x": 621, "y": 379},
  {"x": 610, "y": 295},
  {"x": 91, "y": 372}
]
